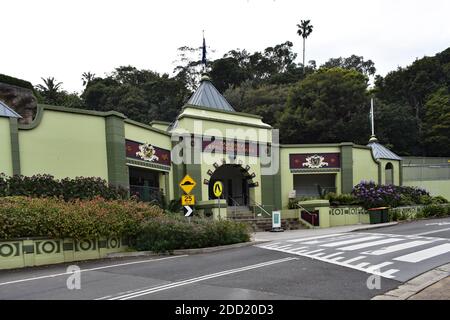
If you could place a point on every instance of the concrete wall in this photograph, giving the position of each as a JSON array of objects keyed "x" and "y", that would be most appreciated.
[
  {"x": 364, "y": 166},
  {"x": 435, "y": 187},
  {"x": 6, "y": 166},
  {"x": 65, "y": 144},
  {"x": 40, "y": 251}
]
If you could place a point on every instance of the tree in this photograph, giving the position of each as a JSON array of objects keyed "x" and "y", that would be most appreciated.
[
  {"x": 353, "y": 62},
  {"x": 304, "y": 30},
  {"x": 437, "y": 123},
  {"x": 50, "y": 90},
  {"x": 330, "y": 105},
  {"x": 87, "y": 78}
]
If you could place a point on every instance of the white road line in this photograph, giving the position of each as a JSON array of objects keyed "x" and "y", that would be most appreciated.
[
  {"x": 314, "y": 238},
  {"x": 386, "y": 274},
  {"x": 332, "y": 255},
  {"x": 283, "y": 247},
  {"x": 370, "y": 244},
  {"x": 378, "y": 266},
  {"x": 430, "y": 232},
  {"x": 397, "y": 247},
  {"x": 197, "y": 279},
  {"x": 425, "y": 254},
  {"x": 317, "y": 254},
  {"x": 340, "y": 243},
  {"x": 314, "y": 251},
  {"x": 362, "y": 265},
  {"x": 298, "y": 249},
  {"x": 353, "y": 259},
  {"x": 87, "y": 270}
]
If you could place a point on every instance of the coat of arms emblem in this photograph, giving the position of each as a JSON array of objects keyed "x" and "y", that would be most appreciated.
[
  {"x": 147, "y": 152},
  {"x": 315, "y": 162}
]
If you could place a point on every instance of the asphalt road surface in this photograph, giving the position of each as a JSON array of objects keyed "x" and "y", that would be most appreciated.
[{"x": 326, "y": 267}]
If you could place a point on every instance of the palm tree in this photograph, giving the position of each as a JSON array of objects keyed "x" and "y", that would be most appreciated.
[
  {"x": 87, "y": 77},
  {"x": 50, "y": 89},
  {"x": 304, "y": 30}
]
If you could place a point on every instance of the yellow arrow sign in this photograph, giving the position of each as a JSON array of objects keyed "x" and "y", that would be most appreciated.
[
  {"x": 217, "y": 188},
  {"x": 187, "y": 184}
]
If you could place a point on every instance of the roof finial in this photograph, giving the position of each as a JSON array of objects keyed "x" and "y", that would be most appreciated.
[
  {"x": 373, "y": 138},
  {"x": 204, "y": 52}
]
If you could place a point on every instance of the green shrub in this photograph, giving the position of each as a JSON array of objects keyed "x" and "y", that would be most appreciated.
[
  {"x": 16, "y": 82},
  {"x": 439, "y": 200},
  {"x": 435, "y": 211},
  {"x": 79, "y": 219},
  {"x": 342, "y": 199},
  {"x": 165, "y": 234},
  {"x": 44, "y": 185}
]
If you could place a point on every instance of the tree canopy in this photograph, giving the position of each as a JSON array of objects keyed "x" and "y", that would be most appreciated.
[{"x": 325, "y": 104}]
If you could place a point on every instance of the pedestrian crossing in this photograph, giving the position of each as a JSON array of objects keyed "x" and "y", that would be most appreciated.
[{"x": 392, "y": 256}]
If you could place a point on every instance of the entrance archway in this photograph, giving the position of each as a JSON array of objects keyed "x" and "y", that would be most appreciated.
[{"x": 236, "y": 184}]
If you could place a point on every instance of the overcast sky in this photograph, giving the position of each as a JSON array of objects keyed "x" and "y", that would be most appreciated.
[{"x": 63, "y": 39}]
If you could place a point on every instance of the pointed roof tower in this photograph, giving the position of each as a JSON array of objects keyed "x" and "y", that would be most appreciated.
[
  {"x": 209, "y": 97},
  {"x": 6, "y": 111}
]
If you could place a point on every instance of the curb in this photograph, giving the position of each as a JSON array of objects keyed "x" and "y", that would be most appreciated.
[
  {"x": 182, "y": 251},
  {"x": 376, "y": 226},
  {"x": 417, "y": 284}
]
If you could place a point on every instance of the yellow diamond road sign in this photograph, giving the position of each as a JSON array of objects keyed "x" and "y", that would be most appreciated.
[
  {"x": 217, "y": 188},
  {"x": 187, "y": 184},
  {"x": 187, "y": 200}
]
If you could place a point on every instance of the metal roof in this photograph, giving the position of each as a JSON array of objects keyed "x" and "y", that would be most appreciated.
[
  {"x": 381, "y": 152},
  {"x": 6, "y": 111},
  {"x": 208, "y": 96}
]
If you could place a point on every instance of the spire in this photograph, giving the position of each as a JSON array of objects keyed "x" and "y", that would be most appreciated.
[
  {"x": 204, "y": 53},
  {"x": 373, "y": 138}
]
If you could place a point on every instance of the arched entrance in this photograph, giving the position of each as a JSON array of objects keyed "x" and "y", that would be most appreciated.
[{"x": 236, "y": 184}]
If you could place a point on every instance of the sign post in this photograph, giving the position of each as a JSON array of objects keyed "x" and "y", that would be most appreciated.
[
  {"x": 217, "y": 190},
  {"x": 187, "y": 200},
  {"x": 276, "y": 221}
]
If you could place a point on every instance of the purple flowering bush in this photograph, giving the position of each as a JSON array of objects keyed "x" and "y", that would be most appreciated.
[{"x": 373, "y": 195}]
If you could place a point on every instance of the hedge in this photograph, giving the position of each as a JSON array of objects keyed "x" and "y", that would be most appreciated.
[
  {"x": 44, "y": 185},
  {"x": 168, "y": 233},
  {"x": 79, "y": 219},
  {"x": 16, "y": 82}
]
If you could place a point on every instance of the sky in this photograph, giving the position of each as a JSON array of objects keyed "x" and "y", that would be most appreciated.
[{"x": 64, "y": 38}]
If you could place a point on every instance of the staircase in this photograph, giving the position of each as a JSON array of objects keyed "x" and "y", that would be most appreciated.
[{"x": 260, "y": 223}]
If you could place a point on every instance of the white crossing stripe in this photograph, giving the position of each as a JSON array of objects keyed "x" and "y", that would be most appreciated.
[
  {"x": 354, "y": 259},
  {"x": 332, "y": 255},
  {"x": 370, "y": 244},
  {"x": 377, "y": 267},
  {"x": 314, "y": 238},
  {"x": 430, "y": 232},
  {"x": 397, "y": 247},
  {"x": 361, "y": 265},
  {"x": 425, "y": 254},
  {"x": 314, "y": 251},
  {"x": 340, "y": 243}
]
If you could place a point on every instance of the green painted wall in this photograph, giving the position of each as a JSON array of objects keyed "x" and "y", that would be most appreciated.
[
  {"x": 286, "y": 178},
  {"x": 435, "y": 187},
  {"x": 6, "y": 165},
  {"x": 364, "y": 166},
  {"x": 346, "y": 168},
  {"x": 115, "y": 148},
  {"x": 65, "y": 144}
]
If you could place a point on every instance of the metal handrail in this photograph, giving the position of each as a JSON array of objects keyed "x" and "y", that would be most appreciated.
[
  {"x": 304, "y": 209},
  {"x": 235, "y": 204},
  {"x": 260, "y": 206}
]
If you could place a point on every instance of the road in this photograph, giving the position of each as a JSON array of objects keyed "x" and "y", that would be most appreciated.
[{"x": 325, "y": 267}]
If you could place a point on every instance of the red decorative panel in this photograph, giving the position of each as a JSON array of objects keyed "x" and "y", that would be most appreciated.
[
  {"x": 147, "y": 152},
  {"x": 314, "y": 160}
]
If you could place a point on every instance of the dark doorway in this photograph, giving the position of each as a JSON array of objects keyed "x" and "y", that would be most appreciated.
[
  {"x": 235, "y": 185},
  {"x": 144, "y": 184}
]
